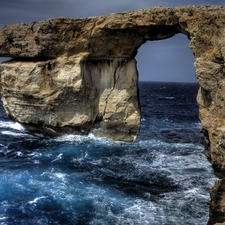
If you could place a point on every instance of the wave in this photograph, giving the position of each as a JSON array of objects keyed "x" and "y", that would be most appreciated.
[
  {"x": 155, "y": 143},
  {"x": 3, "y": 218},
  {"x": 10, "y": 133},
  {"x": 169, "y": 97},
  {"x": 90, "y": 138},
  {"x": 37, "y": 199},
  {"x": 12, "y": 125}
]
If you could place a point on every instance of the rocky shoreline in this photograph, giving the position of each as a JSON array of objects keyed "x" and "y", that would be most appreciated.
[{"x": 75, "y": 76}]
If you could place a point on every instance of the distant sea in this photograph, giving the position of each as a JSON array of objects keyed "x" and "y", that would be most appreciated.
[{"x": 161, "y": 179}]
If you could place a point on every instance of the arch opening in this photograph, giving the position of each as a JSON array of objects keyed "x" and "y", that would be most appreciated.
[
  {"x": 170, "y": 122},
  {"x": 170, "y": 60},
  {"x": 168, "y": 89}
]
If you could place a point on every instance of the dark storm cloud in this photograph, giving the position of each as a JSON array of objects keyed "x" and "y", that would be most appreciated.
[
  {"x": 14, "y": 11},
  {"x": 164, "y": 55}
]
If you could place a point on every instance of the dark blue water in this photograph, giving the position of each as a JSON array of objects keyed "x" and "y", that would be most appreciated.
[{"x": 163, "y": 178}]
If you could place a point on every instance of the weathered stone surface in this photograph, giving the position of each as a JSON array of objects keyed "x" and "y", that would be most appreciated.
[
  {"x": 79, "y": 75},
  {"x": 73, "y": 95},
  {"x": 217, "y": 207}
]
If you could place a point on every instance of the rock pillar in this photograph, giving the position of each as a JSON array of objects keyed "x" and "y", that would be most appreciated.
[{"x": 73, "y": 95}]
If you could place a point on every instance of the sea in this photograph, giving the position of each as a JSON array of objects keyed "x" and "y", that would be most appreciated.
[{"x": 161, "y": 179}]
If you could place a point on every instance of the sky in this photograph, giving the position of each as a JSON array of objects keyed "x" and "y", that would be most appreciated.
[{"x": 165, "y": 60}]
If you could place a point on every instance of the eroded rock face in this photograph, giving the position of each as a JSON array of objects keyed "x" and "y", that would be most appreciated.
[
  {"x": 73, "y": 95},
  {"x": 217, "y": 207},
  {"x": 79, "y": 75}
]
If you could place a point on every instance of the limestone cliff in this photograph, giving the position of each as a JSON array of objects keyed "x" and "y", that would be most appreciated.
[
  {"x": 73, "y": 95},
  {"x": 79, "y": 75}
]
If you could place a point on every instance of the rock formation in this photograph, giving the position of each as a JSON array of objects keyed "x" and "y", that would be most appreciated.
[
  {"x": 79, "y": 75},
  {"x": 217, "y": 207},
  {"x": 73, "y": 95}
]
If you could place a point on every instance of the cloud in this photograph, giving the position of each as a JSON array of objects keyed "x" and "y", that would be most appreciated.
[
  {"x": 29, "y": 10},
  {"x": 12, "y": 11}
]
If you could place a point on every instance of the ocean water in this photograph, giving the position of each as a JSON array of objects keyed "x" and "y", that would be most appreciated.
[{"x": 161, "y": 179}]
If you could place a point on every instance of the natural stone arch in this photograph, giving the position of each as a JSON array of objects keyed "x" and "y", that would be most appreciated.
[{"x": 80, "y": 76}]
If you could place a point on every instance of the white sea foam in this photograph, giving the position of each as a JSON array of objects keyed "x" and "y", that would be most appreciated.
[
  {"x": 36, "y": 162},
  {"x": 74, "y": 138},
  {"x": 197, "y": 125},
  {"x": 3, "y": 218},
  {"x": 54, "y": 175},
  {"x": 60, "y": 175},
  {"x": 90, "y": 138},
  {"x": 194, "y": 192},
  {"x": 169, "y": 97},
  {"x": 157, "y": 143},
  {"x": 59, "y": 157},
  {"x": 141, "y": 212},
  {"x": 10, "y": 133},
  {"x": 19, "y": 153},
  {"x": 12, "y": 125},
  {"x": 36, "y": 200}
]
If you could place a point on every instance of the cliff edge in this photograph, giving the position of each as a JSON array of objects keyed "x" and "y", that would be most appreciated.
[{"x": 79, "y": 75}]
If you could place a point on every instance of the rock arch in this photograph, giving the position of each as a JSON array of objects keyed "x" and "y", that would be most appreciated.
[{"x": 79, "y": 75}]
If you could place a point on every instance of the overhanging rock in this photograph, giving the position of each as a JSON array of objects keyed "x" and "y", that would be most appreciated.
[{"x": 79, "y": 75}]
